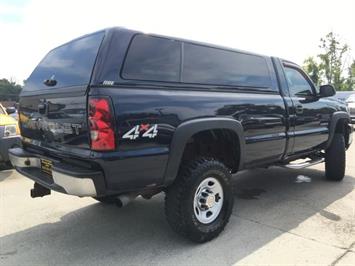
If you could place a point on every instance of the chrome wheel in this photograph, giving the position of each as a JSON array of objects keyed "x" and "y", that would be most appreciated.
[{"x": 208, "y": 200}]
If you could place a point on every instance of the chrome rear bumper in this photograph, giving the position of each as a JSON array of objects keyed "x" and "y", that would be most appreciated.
[{"x": 65, "y": 178}]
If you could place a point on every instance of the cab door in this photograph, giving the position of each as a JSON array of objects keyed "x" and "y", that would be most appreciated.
[{"x": 309, "y": 115}]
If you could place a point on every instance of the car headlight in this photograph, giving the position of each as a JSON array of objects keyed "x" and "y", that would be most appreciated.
[{"x": 10, "y": 130}]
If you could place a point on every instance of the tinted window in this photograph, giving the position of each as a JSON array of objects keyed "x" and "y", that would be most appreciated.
[
  {"x": 297, "y": 83},
  {"x": 70, "y": 64},
  {"x": 216, "y": 66},
  {"x": 152, "y": 58}
]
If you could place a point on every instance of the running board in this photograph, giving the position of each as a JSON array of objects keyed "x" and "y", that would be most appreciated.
[{"x": 304, "y": 164}]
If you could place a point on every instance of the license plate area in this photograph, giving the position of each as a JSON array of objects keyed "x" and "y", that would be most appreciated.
[{"x": 46, "y": 166}]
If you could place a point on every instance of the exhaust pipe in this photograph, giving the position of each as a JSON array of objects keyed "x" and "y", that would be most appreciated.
[{"x": 125, "y": 199}]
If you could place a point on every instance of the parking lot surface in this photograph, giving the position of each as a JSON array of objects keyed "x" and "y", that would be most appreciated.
[{"x": 279, "y": 217}]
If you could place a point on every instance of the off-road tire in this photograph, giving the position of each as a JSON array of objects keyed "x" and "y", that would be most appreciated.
[
  {"x": 179, "y": 200},
  {"x": 335, "y": 159}
]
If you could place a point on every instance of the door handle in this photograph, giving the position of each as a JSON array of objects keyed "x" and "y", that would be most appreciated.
[{"x": 299, "y": 109}]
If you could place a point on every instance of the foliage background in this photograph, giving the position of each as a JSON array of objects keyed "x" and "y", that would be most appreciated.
[
  {"x": 9, "y": 90},
  {"x": 333, "y": 65}
]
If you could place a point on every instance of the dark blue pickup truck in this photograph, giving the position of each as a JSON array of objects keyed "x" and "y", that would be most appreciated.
[{"x": 118, "y": 113}]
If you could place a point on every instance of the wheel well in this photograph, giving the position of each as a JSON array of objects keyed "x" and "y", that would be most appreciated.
[
  {"x": 221, "y": 144},
  {"x": 343, "y": 128}
]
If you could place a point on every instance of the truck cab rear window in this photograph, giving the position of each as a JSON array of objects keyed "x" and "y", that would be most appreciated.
[
  {"x": 152, "y": 58},
  {"x": 69, "y": 65},
  {"x": 215, "y": 66}
]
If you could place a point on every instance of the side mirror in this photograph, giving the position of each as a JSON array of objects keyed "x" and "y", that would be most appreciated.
[
  {"x": 10, "y": 110},
  {"x": 326, "y": 91}
]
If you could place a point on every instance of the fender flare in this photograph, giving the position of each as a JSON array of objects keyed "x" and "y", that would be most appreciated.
[
  {"x": 333, "y": 123},
  {"x": 187, "y": 129}
]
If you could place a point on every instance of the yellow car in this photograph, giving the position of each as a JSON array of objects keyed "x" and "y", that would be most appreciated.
[{"x": 9, "y": 134}]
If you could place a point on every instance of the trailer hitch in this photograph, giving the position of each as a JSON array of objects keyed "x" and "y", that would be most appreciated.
[{"x": 39, "y": 191}]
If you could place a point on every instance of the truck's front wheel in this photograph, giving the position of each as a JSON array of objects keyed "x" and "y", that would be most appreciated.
[
  {"x": 335, "y": 159},
  {"x": 198, "y": 205}
]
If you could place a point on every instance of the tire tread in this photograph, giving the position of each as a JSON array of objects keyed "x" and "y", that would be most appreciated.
[
  {"x": 335, "y": 159},
  {"x": 175, "y": 199}
]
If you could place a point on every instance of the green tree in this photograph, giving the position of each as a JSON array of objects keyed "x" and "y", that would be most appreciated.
[
  {"x": 332, "y": 60},
  {"x": 312, "y": 69},
  {"x": 350, "y": 83},
  {"x": 330, "y": 66},
  {"x": 9, "y": 90}
]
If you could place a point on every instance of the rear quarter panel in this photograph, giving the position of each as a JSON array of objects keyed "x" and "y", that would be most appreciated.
[{"x": 143, "y": 159}]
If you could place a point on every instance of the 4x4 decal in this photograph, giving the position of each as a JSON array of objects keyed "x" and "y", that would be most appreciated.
[{"x": 150, "y": 131}]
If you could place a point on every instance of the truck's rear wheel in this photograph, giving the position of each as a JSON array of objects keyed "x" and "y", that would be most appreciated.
[
  {"x": 335, "y": 159},
  {"x": 199, "y": 203}
]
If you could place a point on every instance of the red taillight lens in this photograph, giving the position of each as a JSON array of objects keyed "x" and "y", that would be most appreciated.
[{"x": 101, "y": 124}]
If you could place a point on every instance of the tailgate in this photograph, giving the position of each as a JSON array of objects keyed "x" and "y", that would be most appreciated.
[{"x": 55, "y": 121}]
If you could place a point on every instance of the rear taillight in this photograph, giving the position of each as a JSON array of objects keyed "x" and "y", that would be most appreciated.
[{"x": 101, "y": 123}]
